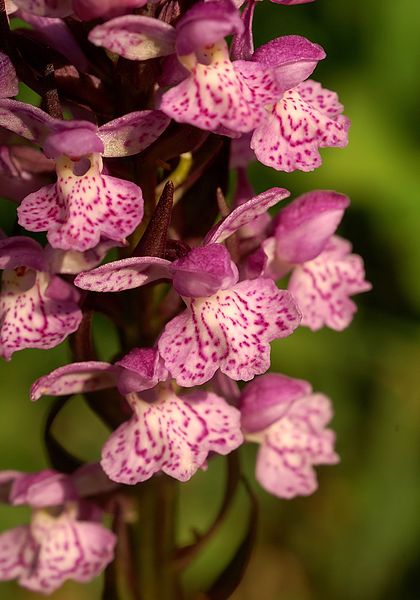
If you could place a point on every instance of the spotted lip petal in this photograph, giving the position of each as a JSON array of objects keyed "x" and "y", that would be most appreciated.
[
  {"x": 245, "y": 214},
  {"x": 53, "y": 550},
  {"x": 77, "y": 210},
  {"x": 124, "y": 274},
  {"x": 230, "y": 330},
  {"x": 304, "y": 227},
  {"x": 135, "y": 37},
  {"x": 221, "y": 96},
  {"x": 322, "y": 287},
  {"x": 36, "y": 311},
  {"x": 173, "y": 435},
  {"x": 295, "y": 128},
  {"x": 292, "y": 445}
]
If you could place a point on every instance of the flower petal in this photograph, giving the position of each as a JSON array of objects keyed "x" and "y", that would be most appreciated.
[
  {"x": 92, "y": 9},
  {"x": 173, "y": 435},
  {"x": 303, "y": 228},
  {"x": 30, "y": 317},
  {"x": 24, "y": 119},
  {"x": 135, "y": 37},
  {"x": 293, "y": 131},
  {"x": 75, "y": 378},
  {"x": 68, "y": 549},
  {"x": 45, "y": 488},
  {"x": 124, "y": 274},
  {"x": 219, "y": 95},
  {"x": 204, "y": 271},
  {"x": 293, "y": 444},
  {"x": 205, "y": 24},
  {"x": 140, "y": 369},
  {"x": 245, "y": 214},
  {"x": 292, "y": 57},
  {"x": 266, "y": 399},
  {"x": 46, "y": 8},
  {"x": 77, "y": 210},
  {"x": 230, "y": 330},
  {"x": 15, "y": 552},
  {"x": 21, "y": 251},
  {"x": 322, "y": 287},
  {"x": 132, "y": 133},
  {"x": 8, "y": 78}
]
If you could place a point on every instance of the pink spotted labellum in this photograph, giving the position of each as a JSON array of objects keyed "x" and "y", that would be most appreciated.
[
  {"x": 64, "y": 540},
  {"x": 288, "y": 420},
  {"x": 38, "y": 309},
  {"x": 167, "y": 431},
  {"x": 228, "y": 323}
]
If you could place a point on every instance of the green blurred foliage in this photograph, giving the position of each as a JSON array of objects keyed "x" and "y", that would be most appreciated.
[{"x": 358, "y": 537}]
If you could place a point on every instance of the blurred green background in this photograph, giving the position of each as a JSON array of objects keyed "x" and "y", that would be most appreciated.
[{"x": 358, "y": 537}]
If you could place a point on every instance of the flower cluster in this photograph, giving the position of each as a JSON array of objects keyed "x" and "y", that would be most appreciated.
[{"x": 157, "y": 103}]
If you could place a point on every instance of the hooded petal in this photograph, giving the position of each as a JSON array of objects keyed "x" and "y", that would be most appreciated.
[
  {"x": 295, "y": 443},
  {"x": 21, "y": 251},
  {"x": 32, "y": 312},
  {"x": 245, "y": 214},
  {"x": 8, "y": 78},
  {"x": 124, "y": 274},
  {"x": 140, "y": 369},
  {"x": 204, "y": 271},
  {"x": 132, "y": 133},
  {"x": 322, "y": 287},
  {"x": 304, "y": 227},
  {"x": 173, "y": 435},
  {"x": 75, "y": 378},
  {"x": 230, "y": 330},
  {"x": 207, "y": 23},
  {"x": 79, "y": 208},
  {"x": 268, "y": 398},
  {"x": 67, "y": 549},
  {"x": 292, "y": 57},
  {"x": 294, "y": 129},
  {"x": 135, "y": 37}
]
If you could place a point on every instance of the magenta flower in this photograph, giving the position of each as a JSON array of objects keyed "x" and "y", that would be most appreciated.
[
  {"x": 214, "y": 93},
  {"x": 167, "y": 432},
  {"x": 227, "y": 324},
  {"x": 38, "y": 309},
  {"x": 84, "y": 205},
  {"x": 325, "y": 273},
  {"x": 64, "y": 539},
  {"x": 288, "y": 421}
]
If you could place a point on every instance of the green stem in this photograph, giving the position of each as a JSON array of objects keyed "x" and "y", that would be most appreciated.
[{"x": 154, "y": 534}]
